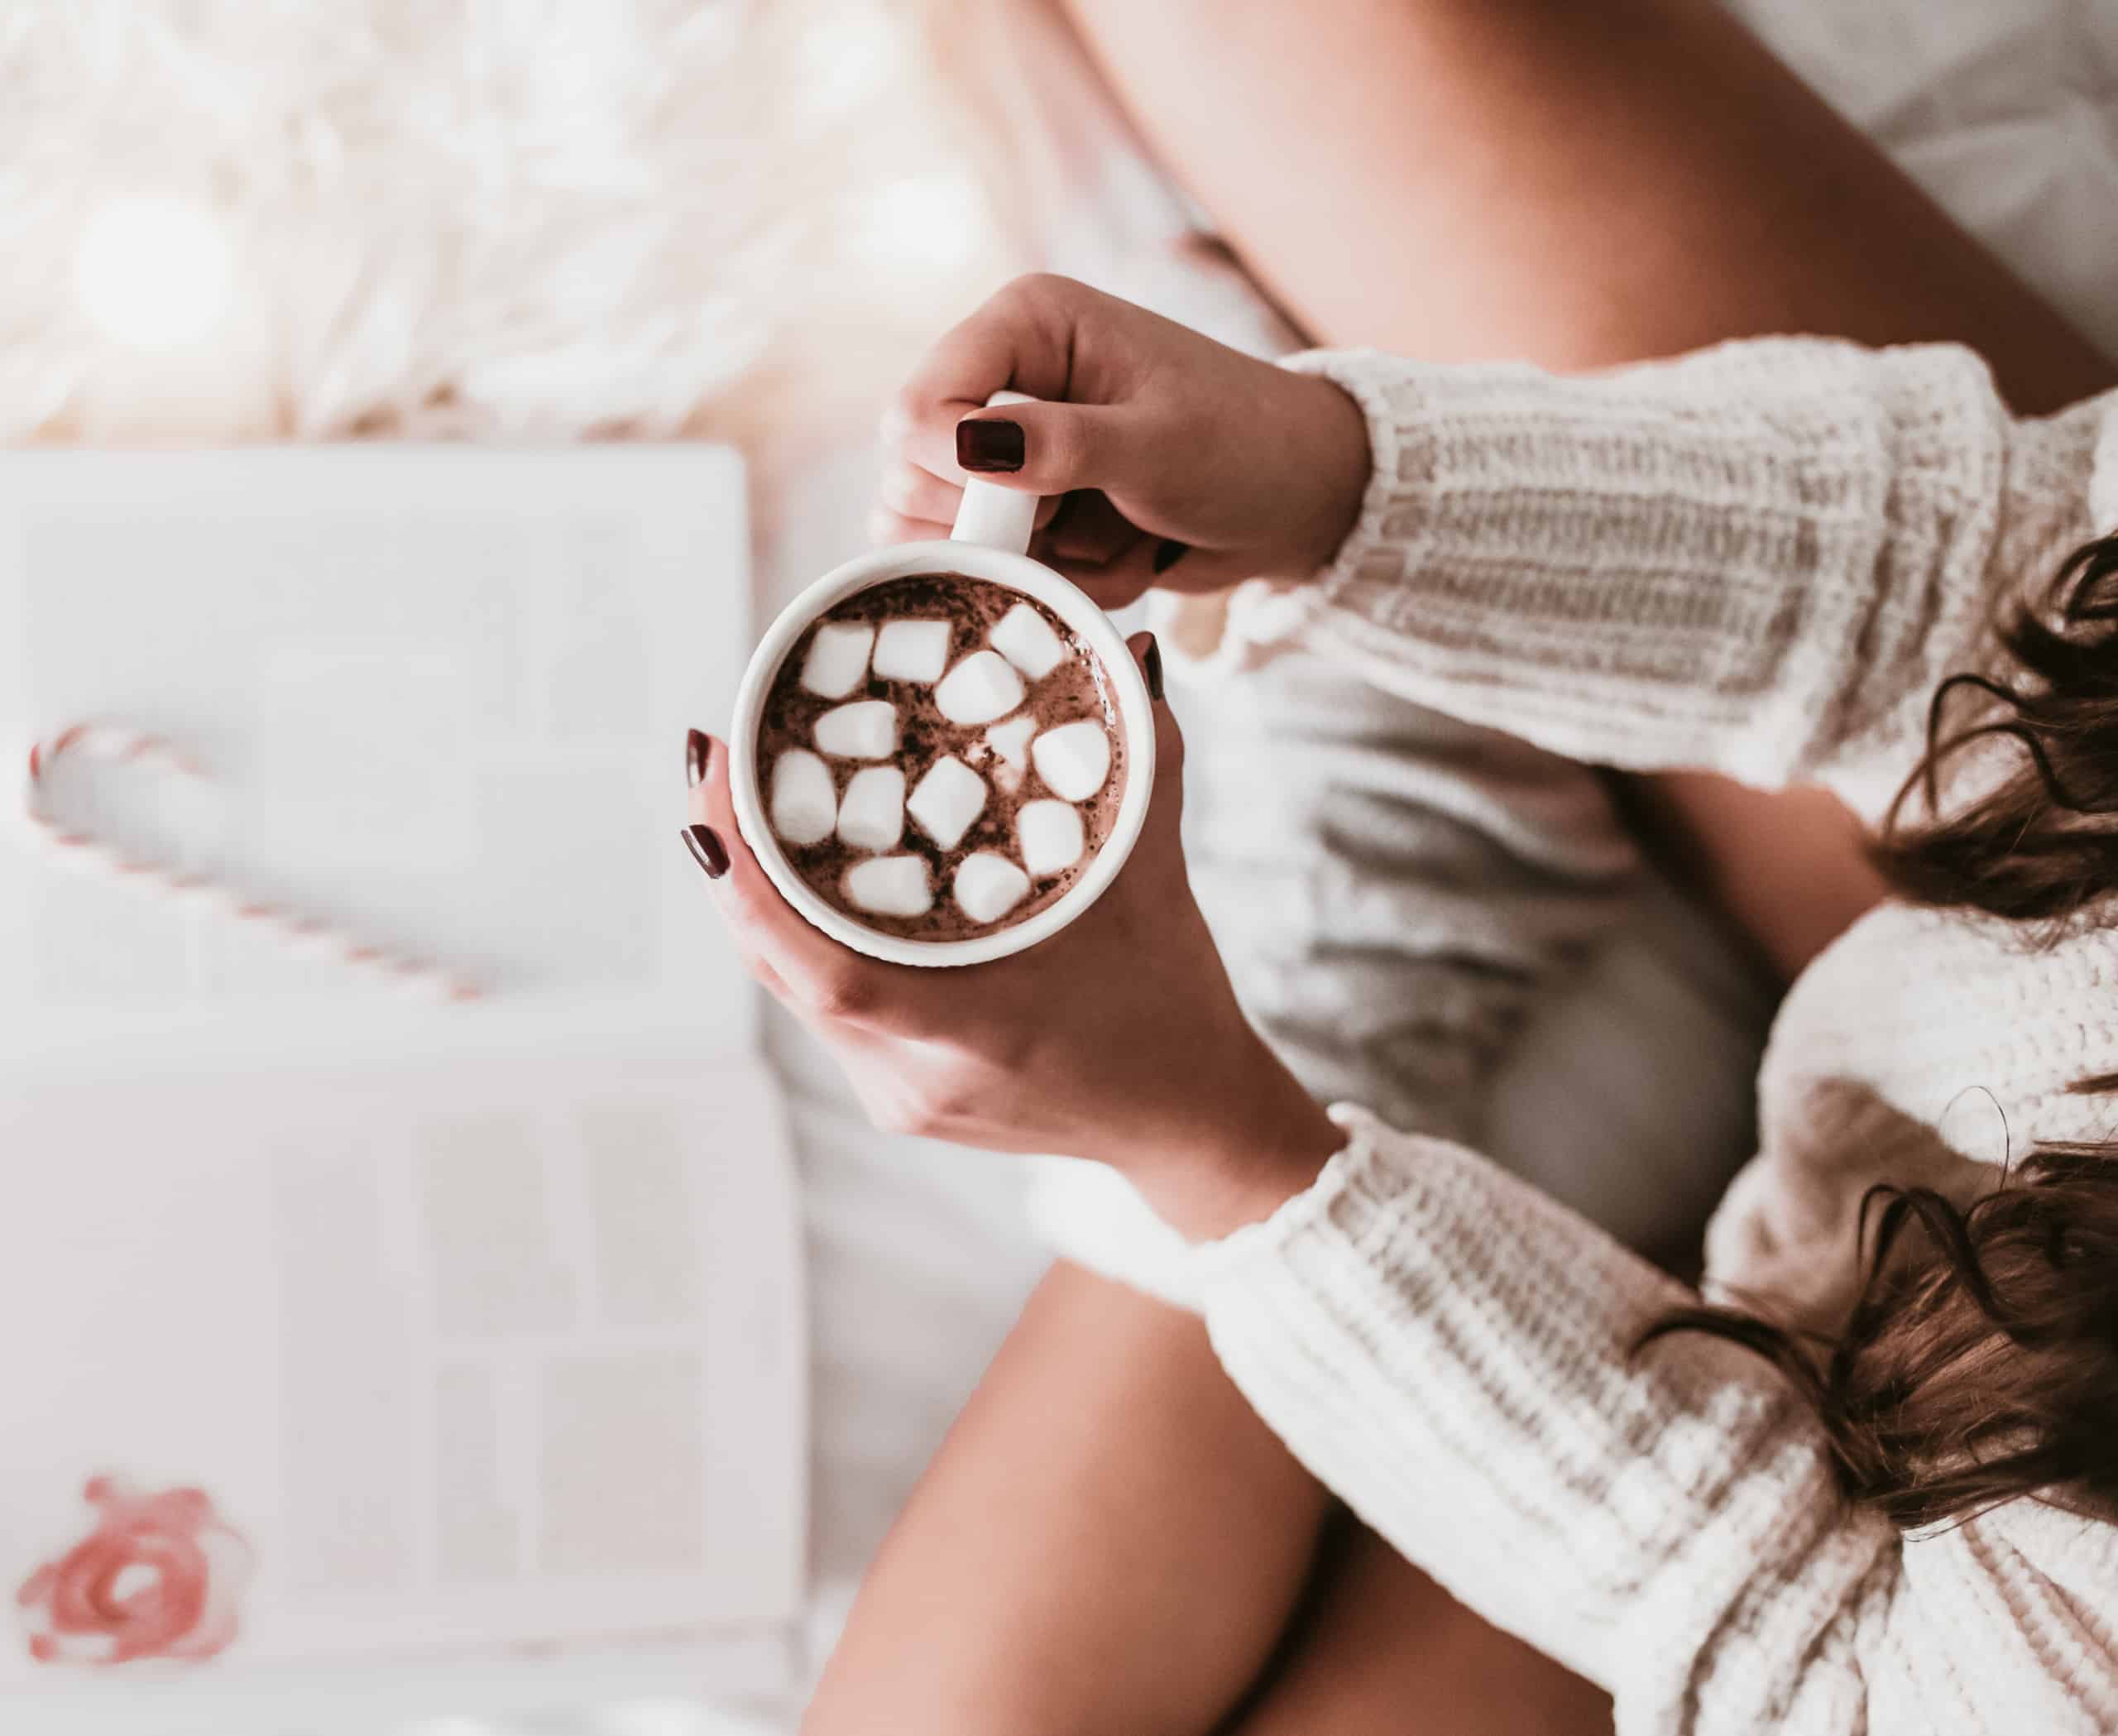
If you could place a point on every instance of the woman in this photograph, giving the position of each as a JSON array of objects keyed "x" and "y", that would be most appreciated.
[
  {"x": 1581, "y": 187},
  {"x": 1760, "y": 559}
]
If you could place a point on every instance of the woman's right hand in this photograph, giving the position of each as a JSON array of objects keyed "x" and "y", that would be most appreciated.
[
  {"x": 1182, "y": 463},
  {"x": 1118, "y": 1038}
]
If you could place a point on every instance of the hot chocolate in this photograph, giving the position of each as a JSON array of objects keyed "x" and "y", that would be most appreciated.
[{"x": 940, "y": 757}]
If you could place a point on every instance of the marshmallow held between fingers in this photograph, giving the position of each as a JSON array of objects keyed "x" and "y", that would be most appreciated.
[
  {"x": 1074, "y": 759},
  {"x": 913, "y": 651},
  {"x": 947, "y": 801},
  {"x": 865, "y": 730},
  {"x": 890, "y": 885},
  {"x": 871, "y": 813},
  {"x": 838, "y": 659},
  {"x": 804, "y": 805},
  {"x": 989, "y": 886},
  {"x": 1026, "y": 639},
  {"x": 1050, "y": 836},
  {"x": 981, "y": 688}
]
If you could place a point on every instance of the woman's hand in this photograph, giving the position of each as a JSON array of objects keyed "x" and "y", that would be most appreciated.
[
  {"x": 1167, "y": 458},
  {"x": 1118, "y": 1038}
]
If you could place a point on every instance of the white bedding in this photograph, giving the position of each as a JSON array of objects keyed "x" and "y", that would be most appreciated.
[{"x": 2006, "y": 110}]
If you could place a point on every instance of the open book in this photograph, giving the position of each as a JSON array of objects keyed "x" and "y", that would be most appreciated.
[{"x": 403, "y": 1328}]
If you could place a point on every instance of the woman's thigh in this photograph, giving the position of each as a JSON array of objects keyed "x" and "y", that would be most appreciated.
[
  {"x": 1380, "y": 1650},
  {"x": 1576, "y": 184},
  {"x": 1108, "y": 1540}
]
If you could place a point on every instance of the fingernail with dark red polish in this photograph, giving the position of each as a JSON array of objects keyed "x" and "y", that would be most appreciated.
[
  {"x": 707, "y": 850},
  {"x": 698, "y": 754},
  {"x": 1169, "y": 555},
  {"x": 1151, "y": 661},
  {"x": 989, "y": 444}
]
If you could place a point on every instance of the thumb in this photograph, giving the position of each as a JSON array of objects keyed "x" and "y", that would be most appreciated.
[
  {"x": 1054, "y": 448},
  {"x": 1169, "y": 740}
]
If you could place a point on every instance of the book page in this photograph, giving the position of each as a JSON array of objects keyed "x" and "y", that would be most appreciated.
[
  {"x": 438, "y": 698},
  {"x": 478, "y": 1325},
  {"x": 460, "y": 1354}
]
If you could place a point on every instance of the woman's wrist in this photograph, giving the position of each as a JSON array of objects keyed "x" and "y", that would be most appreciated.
[
  {"x": 1335, "y": 453},
  {"x": 1238, "y": 1159}
]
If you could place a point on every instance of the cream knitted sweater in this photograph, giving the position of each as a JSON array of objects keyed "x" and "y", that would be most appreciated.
[{"x": 1761, "y": 560}]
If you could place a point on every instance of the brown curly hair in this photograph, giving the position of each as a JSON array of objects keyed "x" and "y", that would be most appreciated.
[{"x": 1980, "y": 1363}]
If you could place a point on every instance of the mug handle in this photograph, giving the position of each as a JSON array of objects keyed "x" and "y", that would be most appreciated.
[{"x": 991, "y": 517}]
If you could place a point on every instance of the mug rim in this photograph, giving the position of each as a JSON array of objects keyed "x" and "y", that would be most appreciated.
[{"x": 1011, "y": 572}]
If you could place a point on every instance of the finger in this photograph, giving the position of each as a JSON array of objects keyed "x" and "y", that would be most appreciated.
[
  {"x": 1021, "y": 338},
  {"x": 1107, "y": 592},
  {"x": 1154, "y": 563},
  {"x": 821, "y": 977},
  {"x": 1169, "y": 739},
  {"x": 698, "y": 814},
  {"x": 912, "y": 493},
  {"x": 1125, "y": 578},
  {"x": 1090, "y": 530},
  {"x": 1049, "y": 448},
  {"x": 885, "y": 526},
  {"x": 1157, "y": 868}
]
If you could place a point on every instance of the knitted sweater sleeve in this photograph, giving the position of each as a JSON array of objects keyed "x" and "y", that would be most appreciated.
[
  {"x": 1759, "y": 559},
  {"x": 1451, "y": 1352}
]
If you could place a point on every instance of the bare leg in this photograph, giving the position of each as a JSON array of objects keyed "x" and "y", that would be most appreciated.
[
  {"x": 1109, "y": 1540},
  {"x": 1579, "y": 184},
  {"x": 1382, "y": 1650}
]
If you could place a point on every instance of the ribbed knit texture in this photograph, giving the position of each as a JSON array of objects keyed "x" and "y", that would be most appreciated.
[{"x": 1761, "y": 560}]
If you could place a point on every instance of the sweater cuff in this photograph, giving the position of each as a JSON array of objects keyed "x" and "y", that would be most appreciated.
[
  {"x": 1383, "y": 544},
  {"x": 1348, "y": 1170},
  {"x": 1226, "y": 632}
]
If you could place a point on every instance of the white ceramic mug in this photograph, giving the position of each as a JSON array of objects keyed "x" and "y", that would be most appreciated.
[{"x": 990, "y": 541}]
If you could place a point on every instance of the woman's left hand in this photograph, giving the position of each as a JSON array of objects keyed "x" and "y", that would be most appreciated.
[{"x": 1118, "y": 1038}]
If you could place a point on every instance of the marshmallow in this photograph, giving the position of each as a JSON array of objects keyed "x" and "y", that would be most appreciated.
[
  {"x": 804, "y": 805},
  {"x": 1050, "y": 834},
  {"x": 1073, "y": 760},
  {"x": 1011, "y": 740},
  {"x": 947, "y": 799},
  {"x": 890, "y": 885},
  {"x": 981, "y": 688},
  {"x": 913, "y": 651},
  {"x": 989, "y": 886},
  {"x": 865, "y": 730},
  {"x": 837, "y": 659},
  {"x": 871, "y": 816},
  {"x": 1026, "y": 639}
]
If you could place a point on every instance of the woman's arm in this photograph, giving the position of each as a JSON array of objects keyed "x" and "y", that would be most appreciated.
[
  {"x": 1759, "y": 560},
  {"x": 1450, "y": 1353}
]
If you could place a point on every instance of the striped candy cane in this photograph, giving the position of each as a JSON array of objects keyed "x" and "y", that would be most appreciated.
[{"x": 299, "y": 936}]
